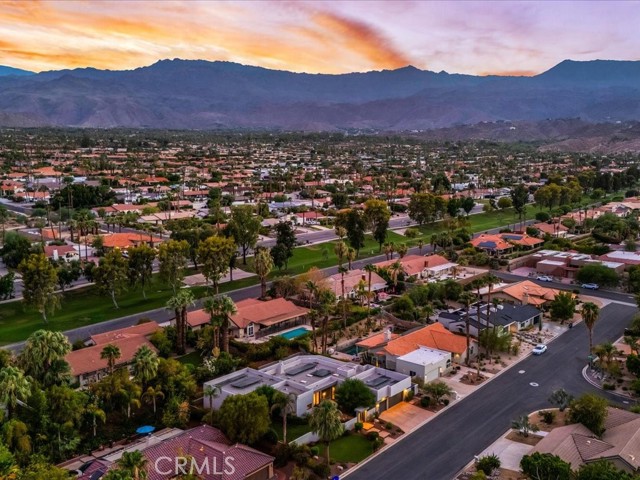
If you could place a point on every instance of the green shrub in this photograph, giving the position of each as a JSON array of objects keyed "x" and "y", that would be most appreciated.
[
  {"x": 425, "y": 402},
  {"x": 488, "y": 464},
  {"x": 271, "y": 436},
  {"x": 608, "y": 386},
  {"x": 547, "y": 416},
  {"x": 315, "y": 451},
  {"x": 388, "y": 425},
  {"x": 372, "y": 436},
  {"x": 358, "y": 426}
]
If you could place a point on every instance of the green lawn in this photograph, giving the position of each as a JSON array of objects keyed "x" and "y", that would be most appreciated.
[
  {"x": 349, "y": 449},
  {"x": 293, "y": 431},
  {"x": 192, "y": 358}
]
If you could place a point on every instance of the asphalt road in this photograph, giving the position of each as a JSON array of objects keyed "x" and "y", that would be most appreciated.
[{"x": 442, "y": 447}]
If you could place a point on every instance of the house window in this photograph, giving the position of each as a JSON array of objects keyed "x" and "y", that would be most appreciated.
[
  {"x": 412, "y": 373},
  {"x": 250, "y": 330}
]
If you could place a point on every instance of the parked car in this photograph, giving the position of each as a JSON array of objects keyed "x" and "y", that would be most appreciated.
[
  {"x": 539, "y": 349},
  {"x": 591, "y": 286},
  {"x": 545, "y": 278}
]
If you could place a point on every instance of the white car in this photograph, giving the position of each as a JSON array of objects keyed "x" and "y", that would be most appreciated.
[
  {"x": 539, "y": 349},
  {"x": 591, "y": 286},
  {"x": 545, "y": 278}
]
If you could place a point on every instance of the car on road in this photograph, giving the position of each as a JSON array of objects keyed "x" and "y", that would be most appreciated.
[
  {"x": 539, "y": 349},
  {"x": 591, "y": 286},
  {"x": 544, "y": 278}
]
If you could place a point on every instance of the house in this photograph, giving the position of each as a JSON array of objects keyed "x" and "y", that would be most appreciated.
[
  {"x": 512, "y": 318},
  {"x": 87, "y": 367},
  {"x": 522, "y": 293},
  {"x": 566, "y": 264},
  {"x": 502, "y": 243},
  {"x": 127, "y": 240},
  {"x": 64, "y": 252},
  {"x": 352, "y": 279},
  {"x": 629, "y": 259},
  {"x": 553, "y": 229},
  {"x": 145, "y": 329},
  {"x": 312, "y": 379},
  {"x": 427, "y": 364},
  {"x": 577, "y": 445},
  {"x": 256, "y": 318},
  {"x": 423, "y": 267},
  {"x": 204, "y": 449},
  {"x": 434, "y": 336}
]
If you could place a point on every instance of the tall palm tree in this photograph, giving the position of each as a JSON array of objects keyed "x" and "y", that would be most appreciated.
[
  {"x": 152, "y": 394},
  {"x": 179, "y": 303},
  {"x": 225, "y": 308},
  {"x": 420, "y": 245},
  {"x": 14, "y": 387},
  {"x": 324, "y": 421},
  {"x": 351, "y": 255},
  {"x": 369, "y": 268},
  {"x": 211, "y": 392},
  {"x": 590, "y": 314},
  {"x": 467, "y": 298},
  {"x": 286, "y": 404},
  {"x": 395, "y": 269},
  {"x": 402, "y": 250},
  {"x": 145, "y": 364},
  {"x": 605, "y": 352},
  {"x": 110, "y": 353},
  {"x": 209, "y": 306},
  {"x": 340, "y": 249},
  {"x": 342, "y": 271},
  {"x": 95, "y": 413},
  {"x": 135, "y": 463},
  {"x": 489, "y": 281},
  {"x": 129, "y": 396},
  {"x": 313, "y": 318},
  {"x": 41, "y": 350},
  {"x": 263, "y": 264}
]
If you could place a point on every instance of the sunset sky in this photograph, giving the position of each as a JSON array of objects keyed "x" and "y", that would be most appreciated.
[{"x": 489, "y": 37}]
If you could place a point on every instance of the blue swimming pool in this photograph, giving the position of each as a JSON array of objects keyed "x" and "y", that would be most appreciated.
[{"x": 294, "y": 333}]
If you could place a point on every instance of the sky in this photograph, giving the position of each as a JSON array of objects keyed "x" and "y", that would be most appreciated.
[{"x": 474, "y": 37}]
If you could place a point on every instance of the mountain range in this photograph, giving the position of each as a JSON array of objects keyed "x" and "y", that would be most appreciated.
[{"x": 197, "y": 94}]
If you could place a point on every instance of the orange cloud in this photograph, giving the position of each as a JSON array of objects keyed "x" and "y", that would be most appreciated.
[{"x": 359, "y": 37}]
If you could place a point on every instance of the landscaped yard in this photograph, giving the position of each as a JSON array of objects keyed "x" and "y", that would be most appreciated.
[
  {"x": 349, "y": 449},
  {"x": 192, "y": 358},
  {"x": 293, "y": 431}
]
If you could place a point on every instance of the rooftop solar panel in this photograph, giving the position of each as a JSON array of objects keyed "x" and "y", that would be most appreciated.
[
  {"x": 245, "y": 382},
  {"x": 377, "y": 382},
  {"x": 322, "y": 372},
  {"x": 300, "y": 368}
]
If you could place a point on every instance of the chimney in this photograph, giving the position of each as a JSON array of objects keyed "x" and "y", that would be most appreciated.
[
  {"x": 425, "y": 264},
  {"x": 387, "y": 334},
  {"x": 525, "y": 299},
  {"x": 363, "y": 277}
]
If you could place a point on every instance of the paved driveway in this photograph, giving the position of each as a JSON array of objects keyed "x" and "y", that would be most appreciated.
[{"x": 406, "y": 416}]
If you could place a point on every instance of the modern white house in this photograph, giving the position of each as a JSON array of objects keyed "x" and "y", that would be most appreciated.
[
  {"x": 312, "y": 379},
  {"x": 425, "y": 363}
]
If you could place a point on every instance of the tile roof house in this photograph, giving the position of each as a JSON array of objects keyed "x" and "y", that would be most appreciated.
[
  {"x": 577, "y": 445},
  {"x": 434, "y": 336},
  {"x": 523, "y": 293},
  {"x": 351, "y": 280},
  {"x": 129, "y": 239},
  {"x": 553, "y": 229},
  {"x": 257, "y": 318},
  {"x": 87, "y": 366},
  {"x": 504, "y": 242},
  {"x": 206, "y": 450},
  {"x": 421, "y": 266}
]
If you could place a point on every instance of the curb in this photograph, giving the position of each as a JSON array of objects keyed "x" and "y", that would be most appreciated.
[{"x": 599, "y": 387}]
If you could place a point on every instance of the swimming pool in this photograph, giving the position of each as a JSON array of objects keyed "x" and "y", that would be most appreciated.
[{"x": 297, "y": 332}]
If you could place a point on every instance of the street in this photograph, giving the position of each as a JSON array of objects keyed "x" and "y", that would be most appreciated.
[{"x": 443, "y": 446}]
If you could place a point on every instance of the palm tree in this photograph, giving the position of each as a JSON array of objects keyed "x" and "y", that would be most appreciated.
[
  {"x": 129, "y": 396},
  {"x": 225, "y": 308},
  {"x": 402, "y": 249},
  {"x": 590, "y": 314},
  {"x": 95, "y": 413},
  {"x": 286, "y": 404},
  {"x": 395, "y": 269},
  {"x": 369, "y": 268},
  {"x": 420, "y": 245},
  {"x": 209, "y": 306},
  {"x": 342, "y": 271},
  {"x": 110, "y": 353},
  {"x": 324, "y": 421},
  {"x": 211, "y": 391},
  {"x": 340, "y": 249},
  {"x": 151, "y": 395},
  {"x": 179, "y": 304},
  {"x": 489, "y": 281},
  {"x": 135, "y": 463},
  {"x": 14, "y": 387},
  {"x": 351, "y": 255},
  {"x": 145, "y": 364},
  {"x": 605, "y": 352},
  {"x": 313, "y": 318},
  {"x": 263, "y": 264},
  {"x": 467, "y": 299},
  {"x": 42, "y": 349}
]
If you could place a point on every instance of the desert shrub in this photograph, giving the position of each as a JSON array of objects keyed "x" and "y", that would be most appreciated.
[
  {"x": 547, "y": 416},
  {"x": 425, "y": 401},
  {"x": 488, "y": 464}
]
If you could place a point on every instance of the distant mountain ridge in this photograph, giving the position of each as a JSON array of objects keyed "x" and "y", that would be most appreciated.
[
  {"x": 4, "y": 71},
  {"x": 198, "y": 94}
]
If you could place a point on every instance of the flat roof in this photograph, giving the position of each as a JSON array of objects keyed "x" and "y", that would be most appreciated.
[{"x": 425, "y": 356}]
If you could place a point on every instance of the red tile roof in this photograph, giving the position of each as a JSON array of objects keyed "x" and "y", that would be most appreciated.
[
  {"x": 144, "y": 329},
  {"x": 87, "y": 360},
  {"x": 270, "y": 312},
  {"x": 432, "y": 336}
]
